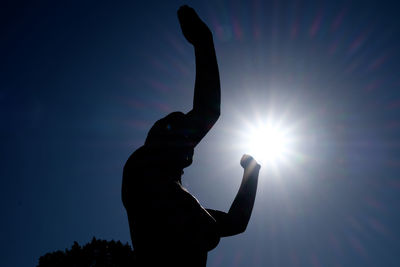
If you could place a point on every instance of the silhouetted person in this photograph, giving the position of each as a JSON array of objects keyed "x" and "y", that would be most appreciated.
[{"x": 168, "y": 225}]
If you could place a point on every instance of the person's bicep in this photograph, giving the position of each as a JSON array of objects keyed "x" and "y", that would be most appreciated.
[
  {"x": 199, "y": 123},
  {"x": 226, "y": 225}
]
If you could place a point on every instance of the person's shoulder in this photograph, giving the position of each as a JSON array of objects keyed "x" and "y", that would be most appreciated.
[
  {"x": 136, "y": 162},
  {"x": 141, "y": 151},
  {"x": 139, "y": 155},
  {"x": 134, "y": 173}
]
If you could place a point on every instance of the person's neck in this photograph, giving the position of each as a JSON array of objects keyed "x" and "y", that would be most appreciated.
[{"x": 174, "y": 175}]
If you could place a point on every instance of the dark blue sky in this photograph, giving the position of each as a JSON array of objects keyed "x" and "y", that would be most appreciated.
[{"x": 81, "y": 82}]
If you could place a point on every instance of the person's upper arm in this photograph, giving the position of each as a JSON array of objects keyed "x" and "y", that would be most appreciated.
[
  {"x": 226, "y": 225},
  {"x": 199, "y": 123}
]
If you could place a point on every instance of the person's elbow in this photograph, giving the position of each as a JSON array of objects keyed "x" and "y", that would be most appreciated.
[
  {"x": 233, "y": 227},
  {"x": 241, "y": 228},
  {"x": 215, "y": 114},
  {"x": 209, "y": 115}
]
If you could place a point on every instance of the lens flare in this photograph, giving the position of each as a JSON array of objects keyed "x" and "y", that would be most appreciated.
[{"x": 268, "y": 143}]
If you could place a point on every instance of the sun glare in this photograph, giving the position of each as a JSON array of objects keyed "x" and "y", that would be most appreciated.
[{"x": 267, "y": 143}]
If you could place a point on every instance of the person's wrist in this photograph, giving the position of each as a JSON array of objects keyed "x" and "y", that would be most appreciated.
[{"x": 252, "y": 166}]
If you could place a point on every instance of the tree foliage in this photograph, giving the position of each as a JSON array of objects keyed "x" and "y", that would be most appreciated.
[{"x": 96, "y": 253}]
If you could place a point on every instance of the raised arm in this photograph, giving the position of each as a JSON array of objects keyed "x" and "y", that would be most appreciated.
[
  {"x": 235, "y": 221},
  {"x": 207, "y": 91}
]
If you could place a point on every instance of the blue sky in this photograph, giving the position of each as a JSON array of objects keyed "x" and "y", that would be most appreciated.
[{"x": 81, "y": 82}]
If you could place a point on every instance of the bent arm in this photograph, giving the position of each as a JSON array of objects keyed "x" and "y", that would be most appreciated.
[
  {"x": 235, "y": 221},
  {"x": 242, "y": 206},
  {"x": 207, "y": 90}
]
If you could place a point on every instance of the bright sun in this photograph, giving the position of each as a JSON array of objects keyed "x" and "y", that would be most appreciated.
[{"x": 267, "y": 142}]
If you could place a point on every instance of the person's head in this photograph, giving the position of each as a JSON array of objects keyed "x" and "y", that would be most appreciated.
[{"x": 169, "y": 136}]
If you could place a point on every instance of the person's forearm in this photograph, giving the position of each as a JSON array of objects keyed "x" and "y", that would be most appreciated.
[
  {"x": 242, "y": 206},
  {"x": 207, "y": 94}
]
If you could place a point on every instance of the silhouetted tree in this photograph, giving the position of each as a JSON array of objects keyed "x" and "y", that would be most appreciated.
[{"x": 96, "y": 253}]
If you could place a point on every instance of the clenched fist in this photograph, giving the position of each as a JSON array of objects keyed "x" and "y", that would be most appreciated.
[
  {"x": 248, "y": 161},
  {"x": 193, "y": 28}
]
